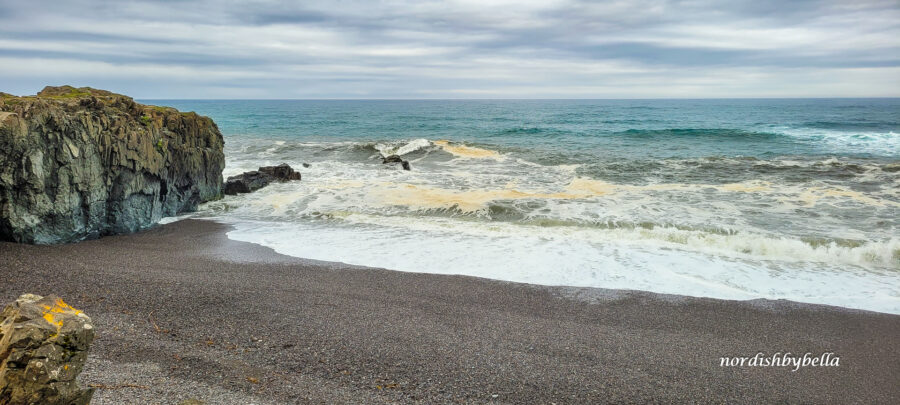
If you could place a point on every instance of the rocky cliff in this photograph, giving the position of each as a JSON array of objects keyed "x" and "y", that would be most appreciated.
[{"x": 82, "y": 163}]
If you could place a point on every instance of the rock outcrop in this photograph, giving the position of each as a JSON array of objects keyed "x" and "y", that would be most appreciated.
[
  {"x": 248, "y": 182},
  {"x": 396, "y": 159},
  {"x": 43, "y": 347},
  {"x": 83, "y": 163},
  {"x": 282, "y": 172}
]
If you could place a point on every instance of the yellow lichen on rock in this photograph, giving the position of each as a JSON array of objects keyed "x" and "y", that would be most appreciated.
[
  {"x": 40, "y": 361},
  {"x": 60, "y": 307}
]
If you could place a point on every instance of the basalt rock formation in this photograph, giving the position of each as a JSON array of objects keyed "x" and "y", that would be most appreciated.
[
  {"x": 43, "y": 347},
  {"x": 247, "y": 182},
  {"x": 282, "y": 172},
  {"x": 83, "y": 163}
]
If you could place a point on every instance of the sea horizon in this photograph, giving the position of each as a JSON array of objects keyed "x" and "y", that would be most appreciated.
[{"x": 516, "y": 99}]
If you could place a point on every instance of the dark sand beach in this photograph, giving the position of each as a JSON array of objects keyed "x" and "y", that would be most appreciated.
[{"x": 182, "y": 312}]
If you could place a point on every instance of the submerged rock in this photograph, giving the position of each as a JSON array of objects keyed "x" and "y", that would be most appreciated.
[
  {"x": 82, "y": 163},
  {"x": 396, "y": 159},
  {"x": 247, "y": 182},
  {"x": 43, "y": 347}
]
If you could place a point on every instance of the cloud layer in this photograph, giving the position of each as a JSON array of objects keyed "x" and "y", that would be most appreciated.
[{"x": 454, "y": 49}]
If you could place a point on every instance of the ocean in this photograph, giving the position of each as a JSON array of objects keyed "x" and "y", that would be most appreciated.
[{"x": 794, "y": 199}]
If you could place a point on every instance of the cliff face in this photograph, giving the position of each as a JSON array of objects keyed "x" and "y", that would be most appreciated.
[{"x": 82, "y": 163}]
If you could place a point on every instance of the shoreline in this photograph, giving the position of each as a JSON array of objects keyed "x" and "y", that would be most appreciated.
[
  {"x": 875, "y": 303},
  {"x": 188, "y": 313}
]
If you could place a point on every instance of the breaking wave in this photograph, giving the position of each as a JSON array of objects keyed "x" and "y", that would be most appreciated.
[{"x": 475, "y": 187}]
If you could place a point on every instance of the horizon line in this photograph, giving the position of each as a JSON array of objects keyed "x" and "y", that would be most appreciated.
[{"x": 512, "y": 99}]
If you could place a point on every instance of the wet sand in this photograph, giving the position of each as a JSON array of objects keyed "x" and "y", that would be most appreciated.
[{"x": 182, "y": 312}]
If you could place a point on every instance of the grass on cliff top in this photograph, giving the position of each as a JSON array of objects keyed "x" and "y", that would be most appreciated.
[
  {"x": 6, "y": 98},
  {"x": 166, "y": 110},
  {"x": 163, "y": 109},
  {"x": 69, "y": 92},
  {"x": 72, "y": 93}
]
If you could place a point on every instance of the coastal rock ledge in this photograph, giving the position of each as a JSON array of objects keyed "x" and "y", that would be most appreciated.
[{"x": 80, "y": 163}]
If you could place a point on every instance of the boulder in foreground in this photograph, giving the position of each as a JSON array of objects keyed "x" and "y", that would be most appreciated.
[
  {"x": 43, "y": 347},
  {"x": 83, "y": 163}
]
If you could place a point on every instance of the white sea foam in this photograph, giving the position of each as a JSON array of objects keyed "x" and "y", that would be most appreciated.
[
  {"x": 169, "y": 220},
  {"x": 539, "y": 259},
  {"x": 883, "y": 143},
  {"x": 497, "y": 215},
  {"x": 401, "y": 148}
]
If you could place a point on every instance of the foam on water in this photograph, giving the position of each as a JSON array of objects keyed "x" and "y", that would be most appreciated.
[
  {"x": 464, "y": 151},
  {"x": 883, "y": 143},
  {"x": 552, "y": 258},
  {"x": 386, "y": 204},
  {"x": 401, "y": 148}
]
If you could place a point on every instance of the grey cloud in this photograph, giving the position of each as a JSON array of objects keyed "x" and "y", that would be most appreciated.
[{"x": 317, "y": 49}]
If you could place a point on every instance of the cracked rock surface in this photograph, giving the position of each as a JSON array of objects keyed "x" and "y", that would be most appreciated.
[
  {"x": 43, "y": 348},
  {"x": 82, "y": 163}
]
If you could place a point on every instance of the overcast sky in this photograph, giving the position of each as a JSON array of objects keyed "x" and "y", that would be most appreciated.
[{"x": 454, "y": 49}]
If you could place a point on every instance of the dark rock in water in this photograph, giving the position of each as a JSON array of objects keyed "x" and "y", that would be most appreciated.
[
  {"x": 43, "y": 347},
  {"x": 251, "y": 181},
  {"x": 396, "y": 159},
  {"x": 82, "y": 163},
  {"x": 247, "y": 182},
  {"x": 307, "y": 165},
  {"x": 281, "y": 172}
]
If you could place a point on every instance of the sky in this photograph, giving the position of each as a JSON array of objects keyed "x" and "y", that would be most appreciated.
[{"x": 312, "y": 49}]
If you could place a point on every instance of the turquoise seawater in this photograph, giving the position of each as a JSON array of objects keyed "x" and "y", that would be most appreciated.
[
  {"x": 737, "y": 199},
  {"x": 560, "y": 128}
]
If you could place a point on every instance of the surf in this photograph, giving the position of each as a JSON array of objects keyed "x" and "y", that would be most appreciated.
[{"x": 725, "y": 199}]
